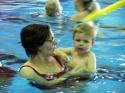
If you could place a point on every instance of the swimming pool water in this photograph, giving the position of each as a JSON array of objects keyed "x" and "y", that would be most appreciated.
[{"x": 109, "y": 47}]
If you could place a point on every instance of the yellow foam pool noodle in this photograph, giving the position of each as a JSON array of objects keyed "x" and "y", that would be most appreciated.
[{"x": 96, "y": 14}]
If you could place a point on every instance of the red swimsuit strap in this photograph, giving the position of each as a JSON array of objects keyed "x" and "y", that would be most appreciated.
[{"x": 49, "y": 76}]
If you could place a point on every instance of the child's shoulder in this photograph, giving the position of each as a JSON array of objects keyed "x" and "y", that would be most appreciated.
[
  {"x": 91, "y": 54},
  {"x": 68, "y": 49}
]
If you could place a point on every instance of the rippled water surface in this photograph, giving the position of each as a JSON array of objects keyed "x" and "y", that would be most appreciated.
[{"x": 109, "y": 47}]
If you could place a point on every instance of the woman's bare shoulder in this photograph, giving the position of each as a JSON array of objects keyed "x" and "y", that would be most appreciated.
[{"x": 26, "y": 71}]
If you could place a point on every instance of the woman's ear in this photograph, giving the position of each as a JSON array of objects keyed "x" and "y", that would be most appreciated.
[{"x": 39, "y": 49}]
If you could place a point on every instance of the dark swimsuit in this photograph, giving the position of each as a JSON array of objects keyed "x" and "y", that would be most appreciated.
[{"x": 50, "y": 76}]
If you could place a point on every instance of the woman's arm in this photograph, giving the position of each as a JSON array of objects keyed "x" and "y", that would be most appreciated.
[{"x": 30, "y": 75}]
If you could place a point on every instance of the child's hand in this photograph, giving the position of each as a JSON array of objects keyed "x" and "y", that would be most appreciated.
[
  {"x": 67, "y": 58},
  {"x": 76, "y": 71}
]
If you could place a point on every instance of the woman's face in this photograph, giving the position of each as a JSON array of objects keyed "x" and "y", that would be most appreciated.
[
  {"x": 77, "y": 4},
  {"x": 48, "y": 47}
]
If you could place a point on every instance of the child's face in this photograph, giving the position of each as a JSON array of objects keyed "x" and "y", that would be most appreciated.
[{"x": 82, "y": 43}]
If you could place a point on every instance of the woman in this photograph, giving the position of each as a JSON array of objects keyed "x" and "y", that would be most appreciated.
[
  {"x": 84, "y": 7},
  {"x": 43, "y": 67}
]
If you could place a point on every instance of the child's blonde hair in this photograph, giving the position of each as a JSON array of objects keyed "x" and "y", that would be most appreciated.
[
  {"x": 53, "y": 8},
  {"x": 88, "y": 28}
]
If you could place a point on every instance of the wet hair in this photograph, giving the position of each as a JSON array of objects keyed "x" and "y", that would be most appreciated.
[
  {"x": 33, "y": 36},
  {"x": 53, "y": 8},
  {"x": 88, "y": 28}
]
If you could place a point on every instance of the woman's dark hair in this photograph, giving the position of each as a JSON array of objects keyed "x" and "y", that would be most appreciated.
[{"x": 33, "y": 36}]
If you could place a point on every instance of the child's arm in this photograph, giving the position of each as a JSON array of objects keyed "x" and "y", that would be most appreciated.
[
  {"x": 91, "y": 65},
  {"x": 63, "y": 52}
]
